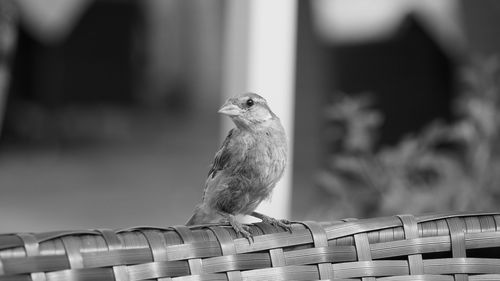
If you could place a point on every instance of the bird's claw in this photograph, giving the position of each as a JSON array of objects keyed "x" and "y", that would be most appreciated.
[
  {"x": 239, "y": 228},
  {"x": 243, "y": 230},
  {"x": 283, "y": 223}
]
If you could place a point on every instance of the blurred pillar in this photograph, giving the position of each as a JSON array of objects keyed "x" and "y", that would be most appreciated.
[
  {"x": 260, "y": 58},
  {"x": 8, "y": 40}
]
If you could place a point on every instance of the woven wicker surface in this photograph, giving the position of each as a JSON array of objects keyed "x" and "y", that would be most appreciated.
[{"x": 435, "y": 247}]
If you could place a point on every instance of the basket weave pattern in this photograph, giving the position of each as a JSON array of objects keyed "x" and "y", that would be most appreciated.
[{"x": 405, "y": 247}]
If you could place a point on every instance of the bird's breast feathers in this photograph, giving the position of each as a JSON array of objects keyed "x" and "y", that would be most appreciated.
[
  {"x": 253, "y": 164},
  {"x": 262, "y": 157}
]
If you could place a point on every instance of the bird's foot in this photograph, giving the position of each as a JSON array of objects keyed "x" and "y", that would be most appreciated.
[
  {"x": 286, "y": 224},
  {"x": 238, "y": 227}
]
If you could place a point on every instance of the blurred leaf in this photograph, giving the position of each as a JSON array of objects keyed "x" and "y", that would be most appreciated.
[
  {"x": 444, "y": 167},
  {"x": 358, "y": 122}
]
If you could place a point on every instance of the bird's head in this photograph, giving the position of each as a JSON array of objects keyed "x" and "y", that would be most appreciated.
[{"x": 247, "y": 110}]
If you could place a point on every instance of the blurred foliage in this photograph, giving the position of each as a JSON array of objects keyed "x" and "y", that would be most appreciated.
[{"x": 446, "y": 167}]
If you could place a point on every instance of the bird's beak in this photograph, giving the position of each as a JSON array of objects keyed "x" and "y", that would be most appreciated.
[{"x": 230, "y": 109}]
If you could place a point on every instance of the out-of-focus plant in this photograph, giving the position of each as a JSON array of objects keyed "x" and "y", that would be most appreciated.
[{"x": 446, "y": 167}]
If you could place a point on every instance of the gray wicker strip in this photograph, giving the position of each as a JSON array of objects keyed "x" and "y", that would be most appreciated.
[
  {"x": 195, "y": 266},
  {"x": 231, "y": 263},
  {"x": 320, "y": 240},
  {"x": 432, "y": 247},
  {"x": 410, "y": 229},
  {"x": 31, "y": 247}
]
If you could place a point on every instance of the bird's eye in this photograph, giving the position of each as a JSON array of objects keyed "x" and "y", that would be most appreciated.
[{"x": 250, "y": 102}]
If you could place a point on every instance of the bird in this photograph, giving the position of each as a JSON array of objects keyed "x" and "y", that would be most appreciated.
[{"x": 246, "y": 168}]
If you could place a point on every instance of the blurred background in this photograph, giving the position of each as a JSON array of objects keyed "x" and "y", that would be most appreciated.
[{"x": 108, "y": 109}]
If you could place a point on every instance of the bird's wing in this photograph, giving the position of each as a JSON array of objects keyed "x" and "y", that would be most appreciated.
[{"x": 221, "y": 157}]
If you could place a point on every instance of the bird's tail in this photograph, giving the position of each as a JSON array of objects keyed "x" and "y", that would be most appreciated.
[
  {"x": 196, "y": 218},
  {"x": 201, "y": 216}
]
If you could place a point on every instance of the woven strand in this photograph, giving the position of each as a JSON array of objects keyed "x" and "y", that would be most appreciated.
[
  {"x": 30, "y": 244},
  {"x": 320, "y": 240},
  {"x": 157, "y": 244},
  {"x": 457, "y": 236},
  {"x": 434, "y": 247},
  {"x": 72, "y": 247},
  {"x": 364, "y": 254},
  {"x": 276, "y": 255},
  {"x": 114, "y": 244},
  {"x": 195, "y": 266},
  {"x": 415, "y": 263},
  {"x": 487, "y": 223},
  {"x": 496, "y": 218},
  {"x": 32, "y": 248},
  {"x": 226, "y": 243}
]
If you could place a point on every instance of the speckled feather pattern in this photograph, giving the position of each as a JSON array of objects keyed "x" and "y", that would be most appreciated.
[
  {"x": 255, "y": 161},
  {"x": 245, "y": 170}
]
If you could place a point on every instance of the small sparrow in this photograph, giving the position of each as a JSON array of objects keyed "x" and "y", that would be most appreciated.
[{"x": 247, "y": 166}]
